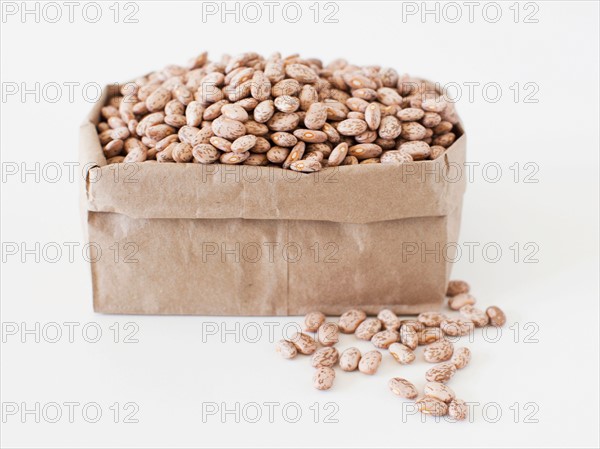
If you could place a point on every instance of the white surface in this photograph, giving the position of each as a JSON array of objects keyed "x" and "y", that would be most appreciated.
[{"x": 171, "y": 372}]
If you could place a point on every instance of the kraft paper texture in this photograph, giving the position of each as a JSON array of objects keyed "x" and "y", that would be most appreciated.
[{"x": 241, "y": 240}]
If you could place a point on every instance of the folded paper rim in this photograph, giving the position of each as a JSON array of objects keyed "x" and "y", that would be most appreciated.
[{"x": 347, "y": 194}]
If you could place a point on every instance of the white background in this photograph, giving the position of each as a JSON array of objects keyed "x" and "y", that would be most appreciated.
[{"x": 549, "y": 368}]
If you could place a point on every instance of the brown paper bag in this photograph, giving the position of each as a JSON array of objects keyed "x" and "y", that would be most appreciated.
[{"x": 243, "y": 240}]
